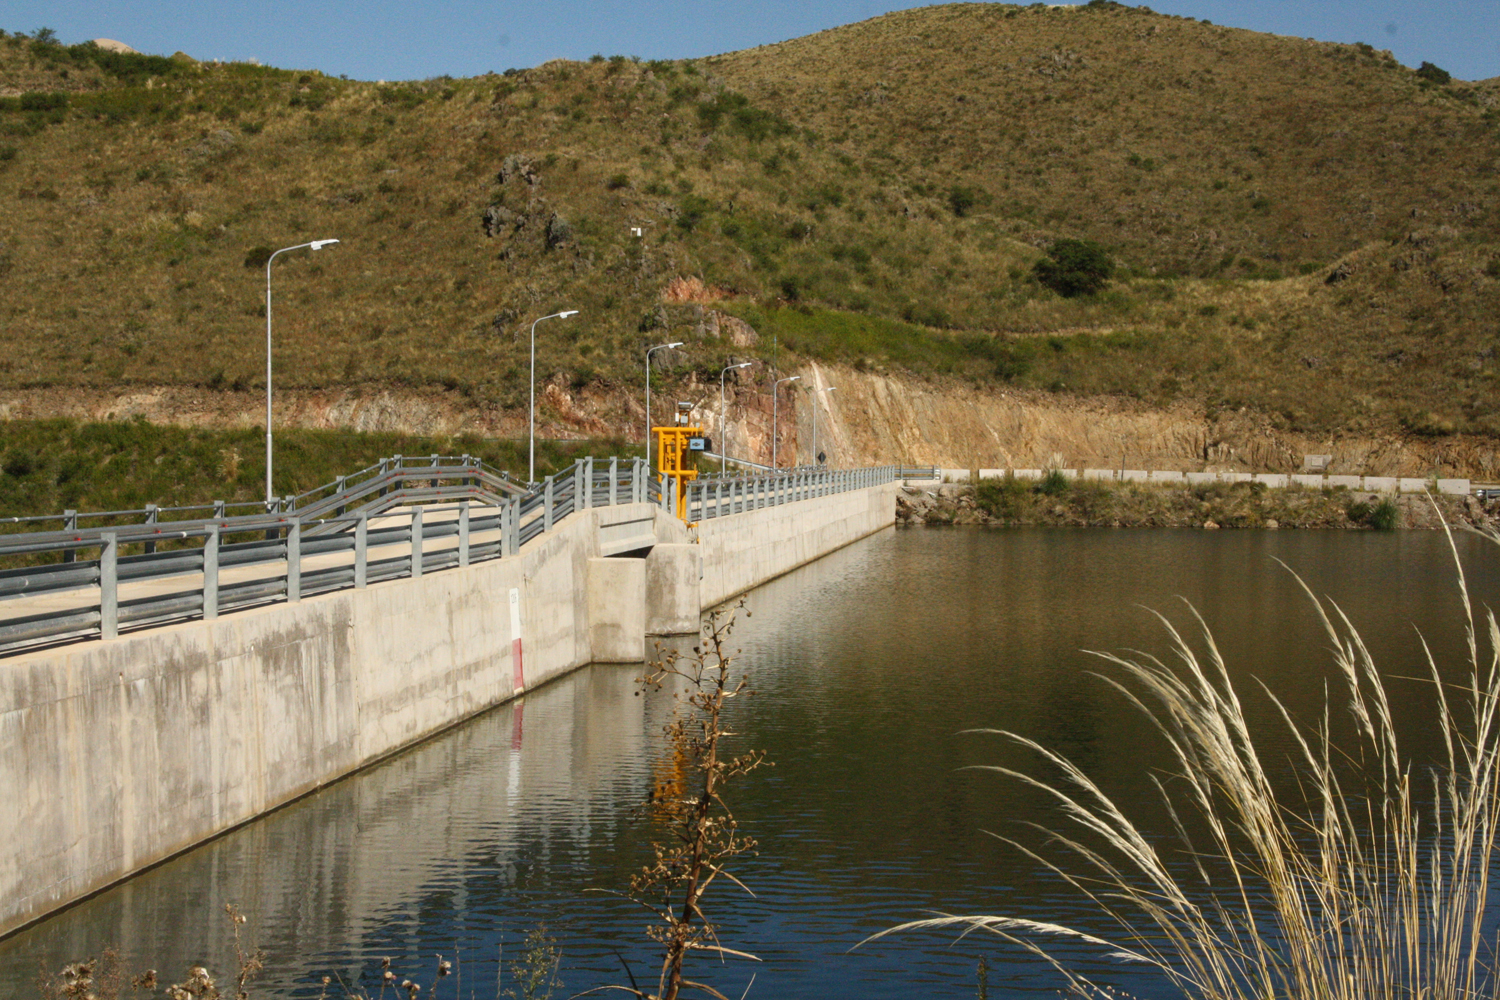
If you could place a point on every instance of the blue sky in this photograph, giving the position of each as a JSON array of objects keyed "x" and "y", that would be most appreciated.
[{"x": 399, "y": 39}]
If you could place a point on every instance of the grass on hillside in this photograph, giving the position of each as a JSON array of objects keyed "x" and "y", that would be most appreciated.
[
  {"x": 48, "y": 466},
  {"x": 888, "y": 215}
]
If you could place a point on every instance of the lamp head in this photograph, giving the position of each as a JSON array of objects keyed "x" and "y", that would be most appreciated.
[
  {"x": 744, "y": 364},
  {"x": 675, "y": 344},
  {"x": 566, "y": 313},
  {"x": 320, "y": 244}
]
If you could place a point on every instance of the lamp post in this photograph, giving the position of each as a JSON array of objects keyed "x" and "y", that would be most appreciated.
[
  {"x": 316, "y": 245},
  {"x": 649, "y": 352},
  {"x": 531, "y": 404},
  {"x": 815, "y": 417},
  {"x": 775, "y": 404},
  {"x": 723, "y": 411}
]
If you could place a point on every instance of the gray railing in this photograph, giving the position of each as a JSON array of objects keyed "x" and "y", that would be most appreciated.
[
  {"x": 399, "y": 518},
  {"x": 721, "y": 497}
]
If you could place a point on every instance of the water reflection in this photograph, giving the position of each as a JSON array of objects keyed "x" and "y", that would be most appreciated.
[{"x": 868, "y": 665}]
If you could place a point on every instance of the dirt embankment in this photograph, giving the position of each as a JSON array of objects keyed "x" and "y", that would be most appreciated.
[
  {"x": 1144, "y": 505},
  {"x": 861, "y": 418}
]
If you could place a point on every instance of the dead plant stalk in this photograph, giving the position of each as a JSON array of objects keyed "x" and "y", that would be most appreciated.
[{"x": 705, "y": 835}]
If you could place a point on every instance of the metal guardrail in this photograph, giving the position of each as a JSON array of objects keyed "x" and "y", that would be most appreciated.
[
  {"x": 712, "y": 498},
  {"x": 395, "y": 519},
  {"x": 345, "y": 492}
]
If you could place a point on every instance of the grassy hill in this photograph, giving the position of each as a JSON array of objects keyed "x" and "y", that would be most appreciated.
[{"x": 1302, "y": 228}]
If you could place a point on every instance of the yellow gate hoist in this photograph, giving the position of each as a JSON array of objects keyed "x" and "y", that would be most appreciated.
[{"x": 677, "y": 451}]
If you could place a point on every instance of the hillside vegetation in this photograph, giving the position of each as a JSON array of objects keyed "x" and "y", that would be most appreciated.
[{"x": 1302, "y": 229}]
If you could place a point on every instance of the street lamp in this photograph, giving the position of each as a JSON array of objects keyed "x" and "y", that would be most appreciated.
[
  {"x": 723, "y": 411},
  {"x": 649, "y": 352},
  {"x": 776, "y": 402},
  {"x": 531, "y": 405},
  {"x": 316, "y": 245},
  {"x": 815, "y": 417}
]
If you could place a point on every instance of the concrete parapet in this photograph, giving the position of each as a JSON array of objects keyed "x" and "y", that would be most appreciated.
[
  {"x": 1199, "y": 478},
  {"x": 1167, "y": 476},
  {"x": 1454, "y": 487},
  {"x": 1309, "y": 481},
  {"x": 1066, "y": 473},
  {"x": 1274, "y": 480},
  {"x": 1099, "y": 474},
  {"x": 1381, "y": 484},
  {"x": 1235, "y": 477},
  {"x": 1026, "y": 473},
  {"x": 1135, "y": 476},
  {"x": 1407, "y": 485},
  {"x": 1348, "y": 482},
  {"x": 749, "y": 549}
]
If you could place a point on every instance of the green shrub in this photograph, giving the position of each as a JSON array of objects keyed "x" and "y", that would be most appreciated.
[
  {"x": 1004, "y": 498},
  {"x": 1075, "y": 267},
  {"x": 1054, "y": 484},
  {"x": 1382, "y": 516},
  {"x": 962, "y": 199},
  {"x": 1434, "y": 74},
  {"x": 617, "y": 181}
]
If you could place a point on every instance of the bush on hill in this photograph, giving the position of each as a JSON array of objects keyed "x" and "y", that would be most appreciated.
[{"x": 1075, "y": 267}]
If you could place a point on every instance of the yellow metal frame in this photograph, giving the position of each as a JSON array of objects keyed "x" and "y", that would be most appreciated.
[{"x": 674, "y": 458}]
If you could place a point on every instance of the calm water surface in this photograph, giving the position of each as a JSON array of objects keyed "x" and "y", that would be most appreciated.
[{"x": 868, "y": 666}]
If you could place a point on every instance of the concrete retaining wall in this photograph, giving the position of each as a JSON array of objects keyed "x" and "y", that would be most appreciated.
[
  {"x": 116, "y": 755},
  {"x": 743, "y": 551}
]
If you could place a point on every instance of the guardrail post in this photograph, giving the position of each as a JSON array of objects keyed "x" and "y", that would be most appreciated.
[
  {"x": 152, "y": 516},
  {"x": 70, "y": 523},
  {"x": 416, "y": 542},
  {"x": 361, "y": 550},
  {"x": 434, "y": 465},
  {"x": 511, "y": 535},
  {"x": 294, "y": 560},
  {"x": 338, "y": 487},
  {"x": 614, "y": 476},
  {"x": 109, "y": 585},
  {"x": 547, "y": 504},
  {"x": 463, "y": 532},
  {"x": 587, "y": 465},
  {"x": 211, "y": 573}
]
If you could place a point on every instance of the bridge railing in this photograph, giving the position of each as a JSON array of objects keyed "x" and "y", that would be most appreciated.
[
  {"x": 399, "y": 518},
  {"x": 722, "y": 497}
]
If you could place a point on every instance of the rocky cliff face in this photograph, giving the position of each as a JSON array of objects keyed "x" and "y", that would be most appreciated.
[{"x": 865, "y": 418}]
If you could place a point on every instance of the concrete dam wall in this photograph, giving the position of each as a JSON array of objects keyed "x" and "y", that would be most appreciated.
[{"x": 119, "y": 754}]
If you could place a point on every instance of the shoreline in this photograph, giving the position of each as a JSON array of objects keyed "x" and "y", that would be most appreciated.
[{"x": 1062, "y": 503}]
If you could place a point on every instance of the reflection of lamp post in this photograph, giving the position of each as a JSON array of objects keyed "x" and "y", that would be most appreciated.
[
  {"x": 722, "y": 411},
  {"x": 531, "y": 404},
  {"x": 316, "y": 245},
  {"x": 775, "y": 402},
  {"x": 658, "y": 347},
  {"x": 815, "y": 417}
]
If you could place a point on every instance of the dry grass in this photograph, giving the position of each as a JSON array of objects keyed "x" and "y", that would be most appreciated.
[
  {"x": 1369, "y": 877},
  {"x": 908, "y": 192}
]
